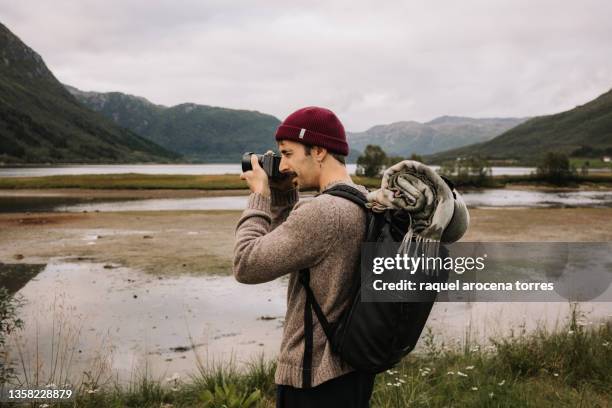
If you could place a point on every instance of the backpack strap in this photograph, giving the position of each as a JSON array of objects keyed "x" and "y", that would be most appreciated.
[
  {"x": 356, "y": 196},
  {"x": 310, "y": 305},
  {"x": 347, "y": 192}
]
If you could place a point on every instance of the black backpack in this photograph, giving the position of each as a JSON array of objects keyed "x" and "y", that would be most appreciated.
[{"x": 370, "y": 336}]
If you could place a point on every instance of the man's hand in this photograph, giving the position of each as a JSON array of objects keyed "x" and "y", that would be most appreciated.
[
  {"x": 257, "y": 179},
  {"x": 283, "y": 184}
]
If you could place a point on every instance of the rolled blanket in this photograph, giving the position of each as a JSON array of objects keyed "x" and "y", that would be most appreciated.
[{"x": 420, "y": 193}]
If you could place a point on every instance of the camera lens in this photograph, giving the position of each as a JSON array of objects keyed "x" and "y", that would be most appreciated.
[{"x": 246, "y": 162}]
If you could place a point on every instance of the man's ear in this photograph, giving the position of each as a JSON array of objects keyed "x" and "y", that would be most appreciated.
[{"x": 319, "y": 153}]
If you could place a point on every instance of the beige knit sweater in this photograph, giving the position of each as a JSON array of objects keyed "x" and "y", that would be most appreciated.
[{"x": 278, "y": 236}]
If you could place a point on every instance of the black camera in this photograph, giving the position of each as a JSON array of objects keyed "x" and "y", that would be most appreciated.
[{"x": 269, "y": 162}]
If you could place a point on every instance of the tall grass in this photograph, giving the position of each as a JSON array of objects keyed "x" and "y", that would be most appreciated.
[{"x": 570, "y": 366}]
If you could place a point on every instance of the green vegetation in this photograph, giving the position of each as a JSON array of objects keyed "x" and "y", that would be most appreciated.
[
  {"x": 469, "y": 172},
  {"x": 9, "y": 322},
  {"x": 232, "y": 182},
  {"x": 591, "y": 163},
  {"x": 198, "y": 132},
  {"x": 555, "y": 169},
  {"x": 584, "y": 130},
  {"x": 127, "y": 181},
  {"x": 374, "y": 161},
  {"x": 569, "y": 367},
  {"x": 40, "y": 122},
  {"x": 141, "y": 181}
]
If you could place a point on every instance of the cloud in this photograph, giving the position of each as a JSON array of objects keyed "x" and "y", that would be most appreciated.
[{"x": 370, "y": 62}]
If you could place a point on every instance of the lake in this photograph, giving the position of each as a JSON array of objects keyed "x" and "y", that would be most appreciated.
[
  {"x": 127, "y": 319},
  {"x": 10, "y": 202},
  {"x": 222, "y": 168}
]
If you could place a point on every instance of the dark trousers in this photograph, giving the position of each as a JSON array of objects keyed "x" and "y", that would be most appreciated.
[{"x": 352, "y": 390}]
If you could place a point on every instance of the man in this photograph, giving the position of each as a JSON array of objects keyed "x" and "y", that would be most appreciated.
[{"x": 277, "y": 235}]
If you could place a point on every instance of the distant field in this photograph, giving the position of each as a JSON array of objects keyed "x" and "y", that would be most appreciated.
[
  {"x": 593, "y": 163},
  {"x": 140, "y": 181}
]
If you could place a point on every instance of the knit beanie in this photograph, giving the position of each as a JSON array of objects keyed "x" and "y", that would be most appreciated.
[{"x": 316, "y": 127}]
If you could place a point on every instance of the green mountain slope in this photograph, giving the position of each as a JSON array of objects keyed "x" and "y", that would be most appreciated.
[
  {"x": 199, "y": 132},
  {"x": 443, "y": 133},
  {"x": 40, "y": 122},
  {"x": 585, "y": 127}
]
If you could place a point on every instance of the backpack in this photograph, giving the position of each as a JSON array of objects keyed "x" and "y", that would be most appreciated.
[{"x": 370, "y": 336}]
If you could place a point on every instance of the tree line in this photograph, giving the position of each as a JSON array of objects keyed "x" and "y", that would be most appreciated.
[{"x": 553, "y": 168}]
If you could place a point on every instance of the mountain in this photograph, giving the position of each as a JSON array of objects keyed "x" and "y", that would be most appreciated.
[
  {"x": 443, "y": 133},
  {"x": 587, "y": 127},
  {"x": 199, "y": 132},
  {"x": 40, "y": 122}
]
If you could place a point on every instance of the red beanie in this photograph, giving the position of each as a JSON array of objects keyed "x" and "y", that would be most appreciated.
[{"x": 315, "y": 126}]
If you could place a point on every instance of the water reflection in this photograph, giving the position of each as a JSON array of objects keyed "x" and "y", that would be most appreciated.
[
  {"x": 197, "y": 169},
  {"x": 484, "y": 198},
  {"x": 131, "y": 318}
]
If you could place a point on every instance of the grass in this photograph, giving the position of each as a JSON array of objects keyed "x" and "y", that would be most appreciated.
[
  {"x": 126, "y": 181},
  {"x": 140, "y": 181},
  {"x": 594, "y": 163},
  {"x": 501, "y": 181},
  {"x": 569, "y": 367}
]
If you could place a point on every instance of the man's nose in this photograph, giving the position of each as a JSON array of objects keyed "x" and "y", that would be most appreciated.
[{"x": 282, "y": 166}]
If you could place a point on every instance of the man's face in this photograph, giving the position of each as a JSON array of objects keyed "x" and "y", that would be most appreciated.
[{"x": 305, "y": 168}]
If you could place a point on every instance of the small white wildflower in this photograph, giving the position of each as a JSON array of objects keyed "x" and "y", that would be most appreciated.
[
  {"x": 491, "y": 395},
  {"x": 570, "y": 332},
  {"x": 397, "y": 384},
  {"x": 175, "y": 377},
  {"x": 389, "y": 384},
  {"x": 450, "y": 373},
  {"x": 605, "y": 344},
  {"x": 474, "y": 388},
  {"x": 402, "y": 381},
  {"x": 459, "y": 373},
  {"x": 501, "y": 383},
  {"x": 469, "y": 367},
  {"x": 556, "y": 374}
]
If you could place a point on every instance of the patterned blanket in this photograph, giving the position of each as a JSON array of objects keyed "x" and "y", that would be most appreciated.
[{"x": 435, "y": 212}]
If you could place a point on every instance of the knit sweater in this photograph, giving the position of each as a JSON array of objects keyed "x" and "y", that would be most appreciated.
[{"x": 279, "y": 236}]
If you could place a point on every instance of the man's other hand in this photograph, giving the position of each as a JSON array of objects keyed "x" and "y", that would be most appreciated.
[{"x": 257, "y": 179}]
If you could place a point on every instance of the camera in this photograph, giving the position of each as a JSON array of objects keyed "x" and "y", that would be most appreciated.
[{"x": 269, "y": 162}]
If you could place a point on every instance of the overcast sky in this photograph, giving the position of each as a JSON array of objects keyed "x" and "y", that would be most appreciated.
[{"x": 372, "y": 62}]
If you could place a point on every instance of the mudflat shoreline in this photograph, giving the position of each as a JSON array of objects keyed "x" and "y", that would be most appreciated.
[{"x": 201, "y": 242}]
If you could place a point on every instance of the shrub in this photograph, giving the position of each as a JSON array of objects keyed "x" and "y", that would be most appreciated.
[
  {"x": 470, "y": 171},
  {"x": 372, "y": 162},
  {"x": 555, "y": 168}
]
